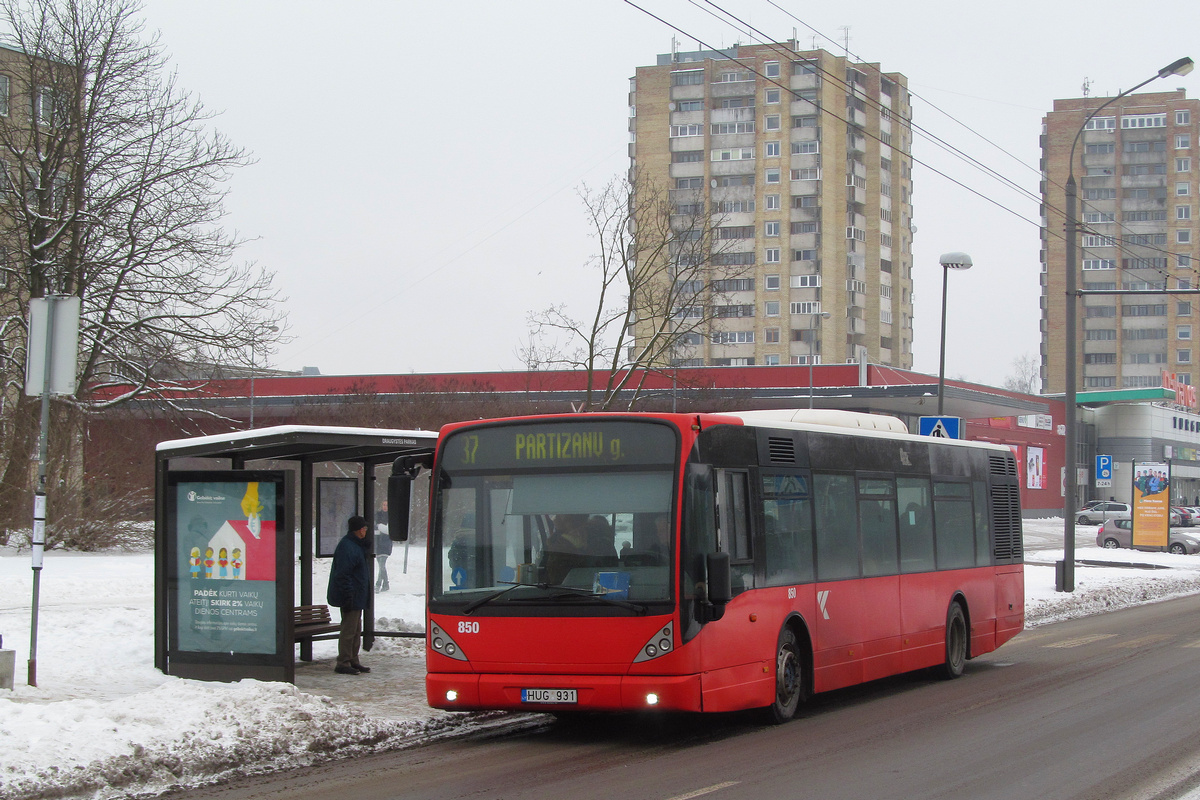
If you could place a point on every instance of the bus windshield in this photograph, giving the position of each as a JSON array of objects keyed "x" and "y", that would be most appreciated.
[{"x": 571, "y": 515}]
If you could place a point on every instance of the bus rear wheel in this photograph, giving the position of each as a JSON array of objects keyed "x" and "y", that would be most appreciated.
[
  {"x": 789, "y": 678},
  {"x": 956, "y": 643}
]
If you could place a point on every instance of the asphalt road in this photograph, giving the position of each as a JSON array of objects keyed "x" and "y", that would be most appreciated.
[{"x": 1102, "y": 707}]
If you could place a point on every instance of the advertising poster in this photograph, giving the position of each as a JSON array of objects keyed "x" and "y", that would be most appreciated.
[
  {"x": 1151, "y": 509},
  {"x": 1035, "y": 468},
  {"x": 225, "y": 563}
]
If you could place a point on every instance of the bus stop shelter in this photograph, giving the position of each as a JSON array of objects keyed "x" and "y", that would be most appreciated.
[{"x": 245, "y": 454}]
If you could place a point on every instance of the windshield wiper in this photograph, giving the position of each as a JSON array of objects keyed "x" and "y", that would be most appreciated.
[
  {"x": 575, "y": 591},
  {"x": 563, "y": 593},
  {"x": 483, "y": 601}
]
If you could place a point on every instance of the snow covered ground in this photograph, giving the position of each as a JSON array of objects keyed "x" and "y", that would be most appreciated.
[{"x": 102, "y": 722}]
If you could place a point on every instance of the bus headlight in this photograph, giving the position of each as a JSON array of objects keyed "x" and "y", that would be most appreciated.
[
  {"x": 439, "y": 642},
  {"x": 660, "y": 644},
  {"x": 652, "y": 699},
  {"x": 451, "y": 696}
]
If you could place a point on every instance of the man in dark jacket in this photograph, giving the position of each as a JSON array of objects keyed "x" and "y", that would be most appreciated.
[{"x": 350, "y": 591}]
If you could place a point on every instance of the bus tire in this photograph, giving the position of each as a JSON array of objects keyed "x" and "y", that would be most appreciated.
[
  {"x": 789, "y": 678},
  {"x": 956, "y": 642}
]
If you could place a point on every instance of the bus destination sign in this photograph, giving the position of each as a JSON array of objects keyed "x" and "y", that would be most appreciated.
[{"x": 590, "y": 444}]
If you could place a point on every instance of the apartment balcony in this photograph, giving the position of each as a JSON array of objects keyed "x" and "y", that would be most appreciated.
[
  {"x": 694, "y": 92},
  {"x": 1144, "y": 204},
  {"x": 692, "y": 169},
  {"x": 1143, "y": 181},
  {"x": 803, "y": 108},
  {"x": 806, "y": 80},
  {"x": 743, "y": 166},
  {"x": 810, "y": 214},
  {"x": 731, "y": 89},
  {"x": 687, "y": 117},
  {"x": 732, "y": 115},
  {"x": 1144, "y": 158}
]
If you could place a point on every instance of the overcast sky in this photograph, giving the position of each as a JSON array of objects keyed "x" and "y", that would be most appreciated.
[{"x": 417, "y": 163}]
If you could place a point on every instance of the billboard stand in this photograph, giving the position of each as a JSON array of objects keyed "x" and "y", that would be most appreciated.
[
  {"x": 229, "y": 552},
  {"x": 1151, "y": 504}
]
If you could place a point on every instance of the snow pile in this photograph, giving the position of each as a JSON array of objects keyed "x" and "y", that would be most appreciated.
[
  {"x": 174, "y": 734},
  {"x": 104, "y": 723},
  {"x": 1098, "y": 590}
]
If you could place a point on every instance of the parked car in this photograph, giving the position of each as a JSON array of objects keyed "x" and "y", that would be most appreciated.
[
  {"x": 1102, "y": 512},
  {"x": 1119, "y": 533},
  {"x": 1186, "y": 517}
]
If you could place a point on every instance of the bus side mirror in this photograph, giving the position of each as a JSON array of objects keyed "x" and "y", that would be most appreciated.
[
  {"x": 399, "y": 492},
  {"x": 720, "y": 590}
]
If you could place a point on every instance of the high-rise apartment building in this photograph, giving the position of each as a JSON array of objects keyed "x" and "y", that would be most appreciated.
[
  {"x": 1135, "y": 166},
  {"x": 800, "y": 163}
]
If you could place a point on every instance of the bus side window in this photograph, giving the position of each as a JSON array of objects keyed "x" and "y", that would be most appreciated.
[
  {"x": 787, "y": 520},
  {"x": 836, "y": 526},
  {"x": 733, "y": 502},
  {"x": 954, "y": 525},
  {"x": 916, "y": 524},
  {"x": 877, "y": 521},
  {"x": 983, "y": 533}
]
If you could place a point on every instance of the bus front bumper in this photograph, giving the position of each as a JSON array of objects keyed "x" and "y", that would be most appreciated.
[{"x": 469, "y": 692}]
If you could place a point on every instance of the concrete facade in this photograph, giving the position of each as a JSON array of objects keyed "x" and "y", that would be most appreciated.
[
  {"x": 800, "y": 160},
  {"x": 1136, "y": 168}
]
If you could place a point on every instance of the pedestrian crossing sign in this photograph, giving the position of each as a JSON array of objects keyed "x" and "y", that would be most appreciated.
[{"x": 941, "y": 427}]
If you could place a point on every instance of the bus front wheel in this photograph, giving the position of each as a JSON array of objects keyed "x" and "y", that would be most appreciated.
[
  {"x": 956, "y": 643},
  {"x": 789, "y": 678}
]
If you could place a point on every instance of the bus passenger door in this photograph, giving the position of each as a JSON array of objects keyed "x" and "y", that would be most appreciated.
[{"x": 739, "y": 652}]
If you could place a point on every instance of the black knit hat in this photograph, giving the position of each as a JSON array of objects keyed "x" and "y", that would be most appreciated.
[{"x": 356, "y": 523}]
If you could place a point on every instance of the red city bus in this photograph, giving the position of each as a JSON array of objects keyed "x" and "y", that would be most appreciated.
[{"x": 710, "y": 562}]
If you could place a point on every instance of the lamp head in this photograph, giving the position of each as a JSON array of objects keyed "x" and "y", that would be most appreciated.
[
  {"x": 826, "y": 315},
  {"x": 1181, "y": 67},
  {"x": 955, "y": 261}
]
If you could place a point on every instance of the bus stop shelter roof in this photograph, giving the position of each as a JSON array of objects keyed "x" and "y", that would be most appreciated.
[{"x": 312, "y": 443}]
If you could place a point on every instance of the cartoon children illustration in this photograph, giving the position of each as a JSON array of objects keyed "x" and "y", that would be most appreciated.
[
  {"x": 194, "y": 562},
  {"x": 223, "y": 561},
  {"x": 237, "y": 563},
  {"x": 208, "y": 562}
]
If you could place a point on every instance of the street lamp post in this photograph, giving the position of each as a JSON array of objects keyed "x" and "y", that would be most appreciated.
[
  {"x": 812, "y": 350},
  {"x": 948, "y": 261},
  {"x": 1065, "y": 577}
]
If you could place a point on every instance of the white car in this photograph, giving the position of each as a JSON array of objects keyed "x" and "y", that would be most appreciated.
[{"x": 1102, "y": 512}]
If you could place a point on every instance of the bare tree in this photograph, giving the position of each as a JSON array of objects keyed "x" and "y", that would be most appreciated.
[
  {"x": 659, "y": 290},
  {"x": 113, "y": 191},
  {"x": 1026, "y": 375}
]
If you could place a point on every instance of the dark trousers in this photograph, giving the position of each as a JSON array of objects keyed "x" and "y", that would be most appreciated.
[{"x": 350, "y": 637}]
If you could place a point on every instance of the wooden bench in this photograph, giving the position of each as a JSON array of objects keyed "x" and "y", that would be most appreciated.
[{"x": 313, "y": 622}]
